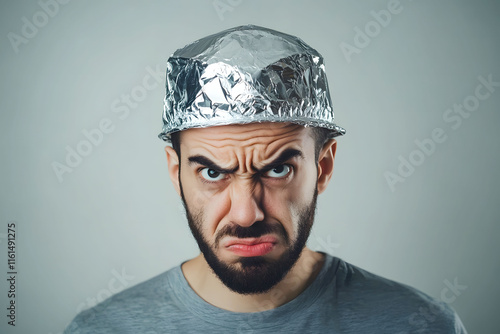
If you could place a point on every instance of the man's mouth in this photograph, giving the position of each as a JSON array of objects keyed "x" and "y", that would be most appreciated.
[{"x": 249, "y": 247}]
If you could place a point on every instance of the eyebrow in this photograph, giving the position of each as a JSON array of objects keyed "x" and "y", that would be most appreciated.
[
  {"x": 204, "y": 161},
  {"x": 280, "y": 160},
  {"x": 286, "y": 155}
]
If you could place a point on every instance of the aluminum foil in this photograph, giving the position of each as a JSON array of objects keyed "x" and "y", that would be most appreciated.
[{"x": 244, "y": 75}]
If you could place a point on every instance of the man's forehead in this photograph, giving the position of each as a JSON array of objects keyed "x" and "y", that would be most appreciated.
[
  {"x": 252, "y": 133},
  {"x": 256, "y": 141}
]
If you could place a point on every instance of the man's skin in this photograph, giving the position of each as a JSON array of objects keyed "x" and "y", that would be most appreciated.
[{"x": 250, "y": 193}]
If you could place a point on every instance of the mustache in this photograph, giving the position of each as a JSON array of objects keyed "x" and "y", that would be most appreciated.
[{"x": 256, "y": 230}]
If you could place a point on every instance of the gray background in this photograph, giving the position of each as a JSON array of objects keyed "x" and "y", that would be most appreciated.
[{"x": 116, "y": 214}]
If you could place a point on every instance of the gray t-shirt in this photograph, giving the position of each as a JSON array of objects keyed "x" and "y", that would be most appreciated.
[{"x": 342, "y": 299}]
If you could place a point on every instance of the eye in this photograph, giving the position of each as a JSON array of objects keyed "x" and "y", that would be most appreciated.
[
  {"x": 280, "y": 171},
  {"x": 211, "y": 174}
]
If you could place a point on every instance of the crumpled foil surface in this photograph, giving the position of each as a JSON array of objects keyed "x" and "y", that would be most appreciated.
[{"x": 244, "y": 75}]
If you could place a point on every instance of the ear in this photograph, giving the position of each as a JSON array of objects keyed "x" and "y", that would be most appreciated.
[
  {"x": 173, "y": 167},
  {"x": 325, "y": 164}
]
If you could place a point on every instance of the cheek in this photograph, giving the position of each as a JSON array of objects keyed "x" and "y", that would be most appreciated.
[
  {"x": 214, "y": 211},
  {"x": 286, "y": 204},
  {"x": 301, "y": 190},
  {"x": 212, "y": 206}
]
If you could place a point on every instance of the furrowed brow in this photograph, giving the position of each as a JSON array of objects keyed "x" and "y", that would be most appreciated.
[
  {"x": 281, "y": 159},
  {"x": 204, "y": 161}
]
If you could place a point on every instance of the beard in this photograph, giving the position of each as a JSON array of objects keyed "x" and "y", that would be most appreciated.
[{"x": 253, "y": 275}]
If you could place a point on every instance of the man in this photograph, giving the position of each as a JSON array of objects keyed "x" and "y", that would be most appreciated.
[{"x": 249, "y": 116}]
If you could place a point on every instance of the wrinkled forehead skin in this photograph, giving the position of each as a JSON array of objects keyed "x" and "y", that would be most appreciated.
[{"x": 247, "y": 146}]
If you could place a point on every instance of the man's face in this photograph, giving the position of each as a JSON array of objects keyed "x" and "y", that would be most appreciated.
[{"x": 250, "y": 196}]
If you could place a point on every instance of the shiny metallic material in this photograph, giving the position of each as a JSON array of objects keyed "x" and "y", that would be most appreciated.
[{"x": 244, "y": 75}]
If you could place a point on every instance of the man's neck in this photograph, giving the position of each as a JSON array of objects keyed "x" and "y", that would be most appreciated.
[{"x": 208, "y": 286}]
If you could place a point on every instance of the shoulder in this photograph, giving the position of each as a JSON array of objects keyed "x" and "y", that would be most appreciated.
[
  {"x": 129, "y": 309},
  {"x": 363, "y": 294}
]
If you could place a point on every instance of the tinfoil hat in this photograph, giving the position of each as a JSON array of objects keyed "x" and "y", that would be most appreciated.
[{"x": 245, "y": 75}]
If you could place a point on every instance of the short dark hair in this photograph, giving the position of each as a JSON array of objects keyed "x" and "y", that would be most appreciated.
[
  {"x": 320, "y": 136},
  {"x": 175, "y": 138}
]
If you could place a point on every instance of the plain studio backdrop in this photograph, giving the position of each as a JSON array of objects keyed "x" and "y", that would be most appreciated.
[{"x": 415, "y": 191}]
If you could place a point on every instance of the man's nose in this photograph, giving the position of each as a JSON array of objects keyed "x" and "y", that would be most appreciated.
[{"x": 246, "y": 203}]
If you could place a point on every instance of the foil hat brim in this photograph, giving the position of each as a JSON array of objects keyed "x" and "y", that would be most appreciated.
[{"x": 245, "y": 75}]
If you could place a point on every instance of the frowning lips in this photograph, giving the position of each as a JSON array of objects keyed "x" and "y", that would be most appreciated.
[{"x": 249, "y": 247}]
